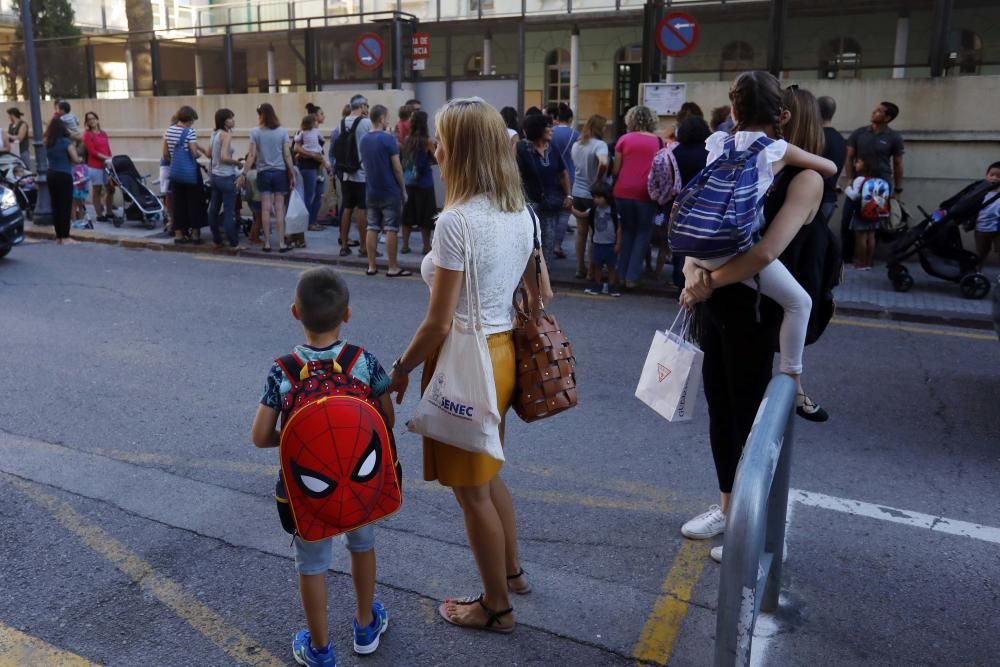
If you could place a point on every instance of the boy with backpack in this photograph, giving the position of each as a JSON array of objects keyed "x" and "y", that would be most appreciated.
[
  {"x": 339, "y": 471},
  {"x": 607, "y": 240}
]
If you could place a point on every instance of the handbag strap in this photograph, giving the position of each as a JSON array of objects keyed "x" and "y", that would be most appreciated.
[
  {"x": 181, "y": 140},
  {"x": 537, "y": 253}
]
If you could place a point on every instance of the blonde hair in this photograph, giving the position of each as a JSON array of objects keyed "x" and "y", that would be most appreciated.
[
  {"x": 641, "y": 119},
  {"x": 594, "y": 129},
  {"x": 478, "y": 156}
]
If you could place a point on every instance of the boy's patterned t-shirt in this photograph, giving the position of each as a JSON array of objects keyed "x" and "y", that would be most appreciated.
[{"x": 367, "y": 369}]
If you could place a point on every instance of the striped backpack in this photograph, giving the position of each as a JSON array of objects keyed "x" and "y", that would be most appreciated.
[{"x": 718, "y": 214}]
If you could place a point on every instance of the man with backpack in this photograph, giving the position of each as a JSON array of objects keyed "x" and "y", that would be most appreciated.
[{"x": 351, "y": 172}]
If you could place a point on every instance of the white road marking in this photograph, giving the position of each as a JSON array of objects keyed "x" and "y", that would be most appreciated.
[
  {"x": 893, "y": 515},
  {"x": 766, "y": 629}
]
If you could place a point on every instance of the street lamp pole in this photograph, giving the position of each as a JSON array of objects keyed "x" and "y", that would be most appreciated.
[{"x": 43, "y": 206}]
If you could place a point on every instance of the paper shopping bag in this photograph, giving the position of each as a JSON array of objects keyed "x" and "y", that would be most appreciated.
[{"x": 671, "y": 376}]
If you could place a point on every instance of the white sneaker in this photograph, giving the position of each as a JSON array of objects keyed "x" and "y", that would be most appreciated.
[
  {"x": 704, "y": 526},
  {"x": 716, "y": 554}
]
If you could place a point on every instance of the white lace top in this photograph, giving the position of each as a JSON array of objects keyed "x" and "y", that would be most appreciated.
[
  {"x": 715, "y": 145},
  {"x": 503, "y": 247}
]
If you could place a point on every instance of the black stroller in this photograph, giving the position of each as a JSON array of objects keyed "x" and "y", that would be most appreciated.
[
  {"x": 937, "y": 242},
  {"x": 141, "y": 205},
  {"x": 15, "y": 175}
]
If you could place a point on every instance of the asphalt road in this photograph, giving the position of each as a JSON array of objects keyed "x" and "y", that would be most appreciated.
[{"x": 137, "y": 528}]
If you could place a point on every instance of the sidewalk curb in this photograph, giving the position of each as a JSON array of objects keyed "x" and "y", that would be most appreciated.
[{"x": 850, "y": 309}]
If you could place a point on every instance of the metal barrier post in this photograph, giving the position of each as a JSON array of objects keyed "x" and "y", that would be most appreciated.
[{"x": 755, "y": 526}]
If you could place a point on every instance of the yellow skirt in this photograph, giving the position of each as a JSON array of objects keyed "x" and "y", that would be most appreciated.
[{"x": 452, "y": 466}]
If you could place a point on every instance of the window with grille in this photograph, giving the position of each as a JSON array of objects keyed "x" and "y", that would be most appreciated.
[
  {"x": 840, "y": 59},
  {"x": 557, "y": 76}
]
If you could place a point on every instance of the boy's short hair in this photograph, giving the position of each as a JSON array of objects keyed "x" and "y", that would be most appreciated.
[
  {"x": 601, "y": 189},
  {"x": 322, "y": 298},
  {"x": 891, "y": 110},
  {"x": 995, "y": 165},
  {"x": 827, "y": 107}
]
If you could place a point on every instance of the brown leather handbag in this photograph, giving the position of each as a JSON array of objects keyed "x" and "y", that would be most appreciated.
[{"x": 546, "y": 367}]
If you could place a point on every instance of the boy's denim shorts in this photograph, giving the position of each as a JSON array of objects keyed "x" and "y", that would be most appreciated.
[
  {"x": 385, "y": 216},
  {"x": 314, "y": 557}
]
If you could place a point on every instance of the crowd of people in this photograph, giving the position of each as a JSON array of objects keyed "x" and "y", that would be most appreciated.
[{"x": 385, "y": 190}]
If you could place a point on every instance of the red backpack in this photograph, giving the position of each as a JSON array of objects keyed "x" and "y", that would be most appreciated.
[{"x": 339, "y": 469}]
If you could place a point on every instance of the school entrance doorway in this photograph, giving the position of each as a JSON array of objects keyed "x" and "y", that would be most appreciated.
[{"x": 628, "y": 74}]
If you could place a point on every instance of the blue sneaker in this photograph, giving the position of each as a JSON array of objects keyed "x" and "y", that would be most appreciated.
[
  {"x": 305, "y": 654},
  {"x": 366, "y": 638}
]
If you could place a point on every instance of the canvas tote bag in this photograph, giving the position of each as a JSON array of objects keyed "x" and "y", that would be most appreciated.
[
  {"x": 459, "y": 406},
  {"x": 671, "y": 375}
]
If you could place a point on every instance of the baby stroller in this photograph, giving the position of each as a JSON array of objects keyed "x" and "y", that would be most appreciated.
[
  {"x": 15, "y": 175},
  {"x": 141, "y": 205},
  {"x": 937, "y": 243}
]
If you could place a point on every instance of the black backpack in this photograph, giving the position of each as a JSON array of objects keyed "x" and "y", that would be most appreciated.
[
  {"x": 814, "y": 259},
  {"x": 345, "y": 148}
]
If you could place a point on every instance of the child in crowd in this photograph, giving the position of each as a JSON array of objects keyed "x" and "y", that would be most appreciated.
[
  {"x": 864, "y": 229},
  {"x": 757, "y": 111},
  {"x": 988, "y": 222},
  {"x": 606, "y": 240},
  {"x": 322, "y": 306},
  {"x": 81, "y": 191},
  {"x": 402, "y": 129}
]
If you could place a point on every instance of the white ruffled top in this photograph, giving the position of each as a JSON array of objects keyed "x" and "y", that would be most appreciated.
[{"x": 716, "y": 146}]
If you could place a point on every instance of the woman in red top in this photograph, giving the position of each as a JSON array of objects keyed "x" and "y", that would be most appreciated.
[
  {"x": 95, "y": 140},
  {"x": 633, "y": 157}
]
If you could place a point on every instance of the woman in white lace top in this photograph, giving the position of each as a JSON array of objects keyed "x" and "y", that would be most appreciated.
[{"x": 482, "y": 185}]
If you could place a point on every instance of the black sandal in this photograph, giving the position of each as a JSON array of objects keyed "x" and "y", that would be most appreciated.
[
  {"x": 518, "y": 591},
  {"x": 492, "y": 623}
]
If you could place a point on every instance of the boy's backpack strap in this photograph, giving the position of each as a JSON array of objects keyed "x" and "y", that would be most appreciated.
[
  {"x": 348, "y": 357},
  {"x": 292, "y": 366}
]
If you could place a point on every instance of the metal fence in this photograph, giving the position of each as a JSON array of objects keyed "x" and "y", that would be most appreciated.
[{"x": 755, "y": 526}]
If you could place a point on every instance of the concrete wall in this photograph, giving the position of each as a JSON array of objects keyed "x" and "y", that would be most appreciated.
[{"x": 135, "y": 126}]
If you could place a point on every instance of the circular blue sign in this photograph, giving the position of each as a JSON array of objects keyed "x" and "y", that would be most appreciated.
[
  {"x": 677, "y": 34},
  {"x": 369, "y": 51}
]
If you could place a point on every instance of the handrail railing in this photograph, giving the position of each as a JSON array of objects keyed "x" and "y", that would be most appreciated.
[{"x": 755, "y": 526}]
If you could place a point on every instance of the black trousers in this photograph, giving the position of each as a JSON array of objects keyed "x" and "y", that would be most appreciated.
[
  {"x": 60, "y": 186},
  {"x": 739, "y": 354},
  {"x": 846, "y": 234}
]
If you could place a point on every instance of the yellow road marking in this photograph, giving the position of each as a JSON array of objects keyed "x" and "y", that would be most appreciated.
[
  {"x": 210, "y": 624},
  {"x": 664, "y": 624},
  {"x": 917, "y": 330},
  {"x": 18, "y": 649},
  {"x": 277, "y": 264}
]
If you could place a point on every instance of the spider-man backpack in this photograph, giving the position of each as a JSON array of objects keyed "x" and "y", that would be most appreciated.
[{"x": 339, "y": 469}]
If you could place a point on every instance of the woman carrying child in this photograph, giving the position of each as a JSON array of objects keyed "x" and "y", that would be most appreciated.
[
  {"x": 757, "y": 111},
  {"x": 735, "y": 333},
  {"x": 313, "y": 166}
]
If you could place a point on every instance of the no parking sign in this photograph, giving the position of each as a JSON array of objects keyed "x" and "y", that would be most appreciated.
[
  {"x": 677, "y": 34},
  {"x": 369, "y": 51}
]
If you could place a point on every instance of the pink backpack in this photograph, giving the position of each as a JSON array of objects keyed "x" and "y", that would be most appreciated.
[{"x": 664, "y": 180}]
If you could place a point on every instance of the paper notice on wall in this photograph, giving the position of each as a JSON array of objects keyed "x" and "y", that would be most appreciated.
[{"x": 663, "y": 98}]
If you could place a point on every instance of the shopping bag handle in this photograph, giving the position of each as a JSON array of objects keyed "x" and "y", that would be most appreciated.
[{"x": 684, "y": 314}]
